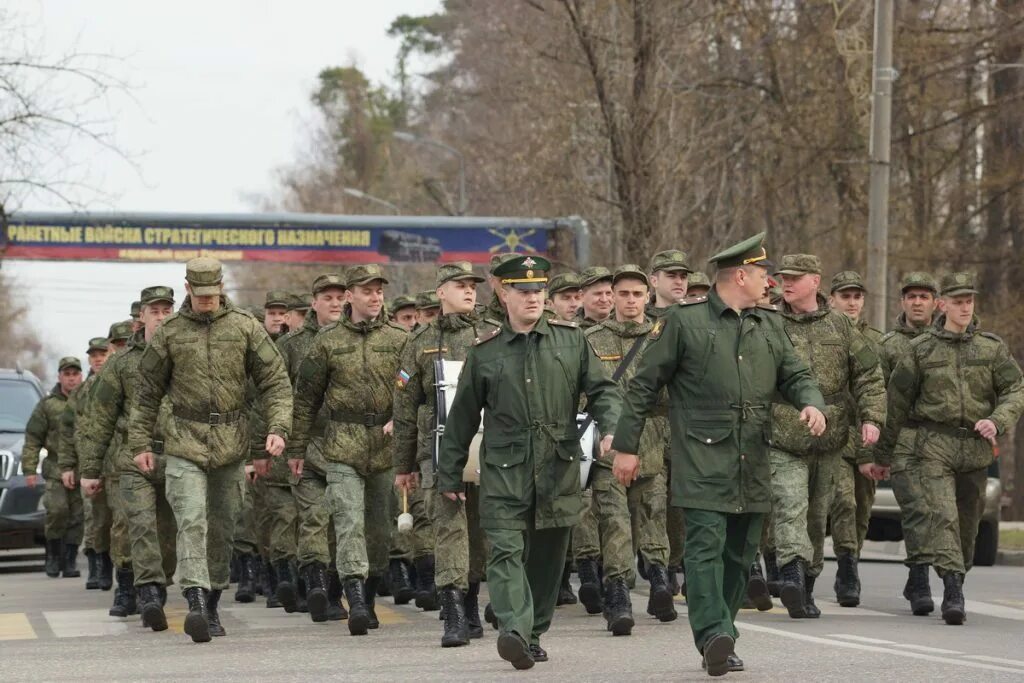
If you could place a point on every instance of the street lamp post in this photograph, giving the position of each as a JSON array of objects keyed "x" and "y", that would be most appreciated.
[
  {"x": 409, "y": 137},
  {"x": 359, "y": 194}
]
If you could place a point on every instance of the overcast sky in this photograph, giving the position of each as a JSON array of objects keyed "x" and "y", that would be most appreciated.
[{"x": 220, "y": 94}]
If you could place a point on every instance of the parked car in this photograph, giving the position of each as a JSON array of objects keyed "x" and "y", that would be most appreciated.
[
  {"x": 885, "y": 518},
  {"x": 21, "y": 507}
]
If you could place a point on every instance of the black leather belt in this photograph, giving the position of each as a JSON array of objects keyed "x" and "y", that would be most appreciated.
[
  {"x": 208, "y": 418},
  {"x": 948, "y": 430},
  {"x": 365, "y": 419}
]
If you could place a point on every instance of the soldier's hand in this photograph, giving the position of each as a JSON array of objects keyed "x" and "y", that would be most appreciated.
[
  {"x": 389, "y": 428},
  {"x": 261, "y": 467},
  {"x": 92, "y": 486},
  {"x": 606, "y": 443},
  {"x": 275, "y": 445},
  {"x": 455, "y": 497},
  {"x": 407, "y": 482},
  {"x": 146, "y": 462},
  {"x": 987, "y": 429},
  {"x": 68, "y": 479},
  {"x": 873, "y": 471},
  {"x": 295, "y": 465},
  {"x": 626, "y": 468},
  {"x": 814, "y": 419},
  {"x": 869, "y": 434},
  {"x": 30, "y": 480}
]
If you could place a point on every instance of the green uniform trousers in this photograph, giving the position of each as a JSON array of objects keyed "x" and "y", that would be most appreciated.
[
  {"x": 524, "y": 573},
  {"x": 460, "y": 546},
  {"x": 629, "y": 520},
  {"x": 720, "y": 548},
  {"x": 851, "y": 507},
  {"x": 281, "y": 517},
  {"x": 205, "y": 504},
  {"x": 64, "y": 516},
  {"x": 120, "y": 541},
  {"x": 802, "y": 489},
  {"x": 151, "y": 528},
  {"x": 361, "y": 508},
  {"x": 675, "y": 523},
  {"x": 915, "y": 517},
  {"x": 261, "y": 517},
  {"x": 98, "y": 520},
  {"x": 244, "y": 539},
  {"x": 419, "y": 541},
  {"x": 586, "y": 539}
]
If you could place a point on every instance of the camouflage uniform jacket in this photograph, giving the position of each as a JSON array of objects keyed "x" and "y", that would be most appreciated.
[
  {"x": 110, "y": 401},
  {"x": 202, "y": 362},
  {"x": 294, "y": 346},
  {"x": 350, "y": 368},
  {"x": 612, "y": 341},
  {"x": 73, "y": 415},
  {"x": 43, "y": 431},
  {"x": 494, "y": 310},
  {"x": 855, "y": 451},
  {"x": 948, "y": 381},
  {"x": 895, "y": 343},
  {"x": 447, "y": 338},
  {"x": 845, "y": 366}
]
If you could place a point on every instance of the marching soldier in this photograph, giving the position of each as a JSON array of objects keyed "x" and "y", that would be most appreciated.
[
  {"x": 697, "y": 284},
  {"x": 119, "y": 334},
  {"x": 527, "y": 377},
  {"x": 564, "y": 295},
  {"x": 596, "y": 299},
  {"x": 403, "y": 311},
  {"x": 428, "y": 307},
  {"x": 495, "y": 309},
  {"x": 723, "y": 358},
  {"x": 669, "y": 271},
  {"x": 298, "y": 309},
  {"x": 135, "y": 311}
]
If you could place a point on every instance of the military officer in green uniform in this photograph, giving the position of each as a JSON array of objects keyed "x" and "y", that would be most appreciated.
[
  {"x": 403, "y": 311},
  {"x": 918, "y": 298},
  {"x": 723, "y": 358},
  {"x": 201, "y": 359},
  {"x": 527, "y": 377},
  {"x": 961, "y": 388},
  {"x": 854, "y": 493}
]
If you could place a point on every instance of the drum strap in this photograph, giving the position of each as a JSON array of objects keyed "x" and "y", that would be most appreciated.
[{"x": 619, "y": 372}]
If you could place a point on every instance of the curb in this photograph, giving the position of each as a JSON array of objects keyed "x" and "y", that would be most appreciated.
[{"x": 1010, "y": 558}]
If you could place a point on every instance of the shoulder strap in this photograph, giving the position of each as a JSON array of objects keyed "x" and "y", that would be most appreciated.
[{"x": 619, "y": 372}]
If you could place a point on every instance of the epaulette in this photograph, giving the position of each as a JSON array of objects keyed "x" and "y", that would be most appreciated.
[
  {"x": 419, "y": 330},
  {"x": 591, "y": 330},
  {"x": 491, "y": 321},
  {"x": 888, "y": 335},
  {"x": 691, "y": 300},
  {"x": 563, "y": 323},
  {"x": 242, "y": 312},
  {"x": 769, "y": 307},
  {"x": 487, "y": 337},
  {"x": 992, "y": 335}
]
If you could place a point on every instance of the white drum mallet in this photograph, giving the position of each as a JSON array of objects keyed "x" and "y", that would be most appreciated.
[{"x": 405, "y": 519}]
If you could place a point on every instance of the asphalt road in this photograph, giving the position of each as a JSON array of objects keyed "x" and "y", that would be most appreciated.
[{"x": 53, "y": 629}]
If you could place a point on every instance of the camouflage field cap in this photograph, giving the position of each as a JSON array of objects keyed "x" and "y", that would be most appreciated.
[
  {"x": 799, "y": 264},
  {"x": 204, "y": 275},
  {"x": 150, "y": 295},
  {"x": 749, "y": 252},
  {"x": 327, "y": 281},
  {"x": 918, "y": 280},
  {"x": 400, "y": 302},
  {"x": 563, "y": 282},
  {"x": 121, "y": 331},
  {"x": 299, "y": 302},
  {"x": 698, "y": 280},
  {"x": 630, "y": 270},
  {"x": 524, "y": 272},
  {"x": 498, "y": 259},
  {"x": 277, "y": 298},
  {"x": 457, "y": 270},
  {"x": 958, "y": 284},
  {"x": 670, "y": 260},
  {"x": 361, "y": 275},
  {"x": 428, "y": 299},
  {"x": 593, "y": 275},
  {"x": 68, "y": 362},
  {"x": 847, "y": 279},
  {"x": 136, "y": 309},
  {"x": 98, "y": 344}
]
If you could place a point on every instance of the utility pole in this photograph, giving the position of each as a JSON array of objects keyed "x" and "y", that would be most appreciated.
[{"x": 879, "y": 154}]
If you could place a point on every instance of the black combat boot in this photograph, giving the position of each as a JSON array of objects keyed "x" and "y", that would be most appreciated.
[
  {"x": 490, "y": 617},
  {"x": 371, "y": 599},
  {"x": 771, "y": 575},
  {"x": 792, "y": 590},
  {"x": 618, "y": 608},
  {"x": 660, "y": 603},
  {"x": 565, "y": 594},
  {"x": 69, "y": 568},
  {"x": 124, "y": 597},
  {"x": 151, "y": 607},
  {"x": 92, "y": 581},
  {"x": 335, "y": 610},
  {"x": 270, "y": 584},
  {"x": 954, "y": 612},
  {"x": 401, "y": 586},
  {"x": 236, "y": 569},
  {"x": 358, "y": 614},
  {"x": 54, "y": 557},
  {"x": 301, "y": 605},
  {"x": 673, "y": 579},
  {"x": 811, "y": 610},
  {"x": 426, "y": 591},
  {"x": 757, "y": 588},
  {"x": 456, "y": 627},
  {"x": 246, "y": 569},
  {"x": 262, "y": 578},
  {"x": 212, "y": 601},
  {"x": 919, "y": 591},
  {"x": 384, "y": 587},
  {"x": 472, "y": 607},
  {"x": 197, "y": 621},
  {"x": 106, "y": 577},
  {"x": 847, "y": 584},
  {"x": 590, "y": 586},
  {"x": 287, "y": 591},
  {"x": 163, "y": 595},
  {"x": 316, "y": 590}
]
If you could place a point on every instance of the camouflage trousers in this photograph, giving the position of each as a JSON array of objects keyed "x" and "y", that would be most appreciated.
[
  {"x": 629, "y": 520},
  {"x": 420, "y": 541},
  {"x": 98, "y": 520},
  {"x": 915, "y": 516},
  {"x": 361, "y": 508},
  {"x": 314, "y": 533},
  {"x": 261, "y": 517},
  {"x": 460, "y": 545},
  {"x": 205, "y": 504},
  {"x": 802, "y": 488},
  {"x": 675, "y": 524},
  {"x": 64, "y": 517},
  {"x": 244, "y": 538},
  {"x": 151, "y": 528},
  {"x": 120, "y": 543},
  {"x": 851, "y": 507},
  {"x": 954, "y": 490},
  {"x": 586, "y": 539},
  {"x": 281, "y": 518}
]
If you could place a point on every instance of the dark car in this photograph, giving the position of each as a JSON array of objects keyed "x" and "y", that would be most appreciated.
[{"x": 21, "y": 507}]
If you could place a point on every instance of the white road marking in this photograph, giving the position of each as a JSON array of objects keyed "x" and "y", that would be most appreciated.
[
  {"x": 988, "y": 609},
  {"x": 911, "y": 646},
  {"x": 996, "y": 660},
  {"x": 78, "y": 623}
]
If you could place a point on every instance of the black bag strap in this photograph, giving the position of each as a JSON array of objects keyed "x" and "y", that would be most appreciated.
[{"x": 616, "y": 376}]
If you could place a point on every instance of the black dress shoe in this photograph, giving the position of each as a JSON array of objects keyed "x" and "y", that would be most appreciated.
[
  {"x": 716, "y": 654},
  {"x": 538, "y": 653},
  {"x": 733, "y": 662}
]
